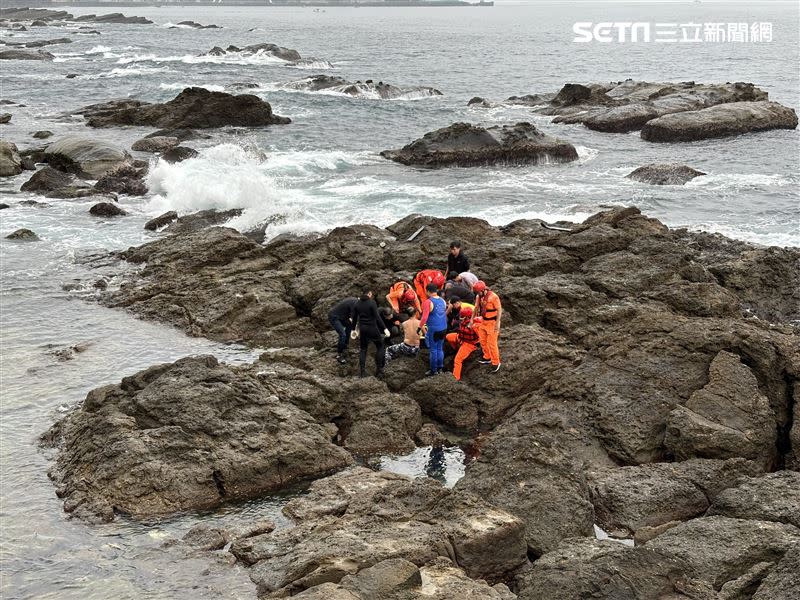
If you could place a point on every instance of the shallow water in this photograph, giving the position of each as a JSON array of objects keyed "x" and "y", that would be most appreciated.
[{"x": 322, "y": 171}]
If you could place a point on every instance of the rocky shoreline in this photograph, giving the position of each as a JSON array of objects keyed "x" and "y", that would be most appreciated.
[{"x": 651, "y": 389}]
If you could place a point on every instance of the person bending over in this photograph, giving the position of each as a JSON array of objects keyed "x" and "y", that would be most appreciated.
[{"x": 339, "y": 318}]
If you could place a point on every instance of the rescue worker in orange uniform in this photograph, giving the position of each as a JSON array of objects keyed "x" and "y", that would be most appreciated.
[
  {"x": 489, "y": 309},
  {"x": 402, "y": 295},
  {"x": 426, "y": 277},
  {"x": 465, "y": 339}
]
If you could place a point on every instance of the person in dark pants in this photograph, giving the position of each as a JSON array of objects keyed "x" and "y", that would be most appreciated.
[
  {"x": 367, "y": 318},
  {"x": 457, "y": 262},
  {"x": 339, "y": 318}
]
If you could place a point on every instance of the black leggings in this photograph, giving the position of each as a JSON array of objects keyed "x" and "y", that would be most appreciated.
[{"x": 374, "y": 336}]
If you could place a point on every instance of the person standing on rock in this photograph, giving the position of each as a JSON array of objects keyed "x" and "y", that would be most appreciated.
[
  {"x": 434, "y": 315},
  {"x": 423, "y": 280},
  {"x": 366, "y": 316},
  {"x": 411, "y": 340},
  {"x": 457, "y": 262},
  {"x": 489, "y": 309},
  {"x": 465, "y": 339},
  {"x": 339, "y": 318}
]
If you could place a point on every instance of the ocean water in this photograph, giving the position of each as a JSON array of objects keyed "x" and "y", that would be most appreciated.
[{"x": 321, "y": 171}]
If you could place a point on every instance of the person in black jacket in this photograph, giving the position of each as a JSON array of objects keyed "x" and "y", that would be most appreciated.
[
  {"x": 457, "y": 262},
  {"x": 339, "y": 318},
  {"x": 371, "y": 327}
]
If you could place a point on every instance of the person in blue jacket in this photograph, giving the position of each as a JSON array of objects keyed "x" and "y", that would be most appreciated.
[{"x": 434, "y": 315}]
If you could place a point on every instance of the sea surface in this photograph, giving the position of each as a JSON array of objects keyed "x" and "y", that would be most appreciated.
[{"x": 321, "y": 171}]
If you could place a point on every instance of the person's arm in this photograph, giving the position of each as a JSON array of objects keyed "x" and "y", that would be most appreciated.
[
  {"x": 425, "y": 312},
  {"x": 376, "y": 314},
  {"x": 466, "y": 262},
  {"x": 499, "y": 315},
  {"x": 393, "y": 298},
  {"x": 353, "y": 316}
]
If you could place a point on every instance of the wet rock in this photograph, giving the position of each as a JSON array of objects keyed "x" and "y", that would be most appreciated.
[
  {"x": 188, "y": 435},
  {"x": 286, "y": 54},
  {"x": 86, "y": 157},
  {"x": 4, "y": 205},
  {"x": 56, "y": 184},
  {"x": 205, "y": 537},
  {"x": 195, "y": 25},
  {"x": 125, "y": 179},
  {"x": 729, "y": 417},
  {"x": 202, "y": 219},
  {"x": 664, "y": 174},
  {"x": 106, "y": 209},
  {"x": 773, "y": 497},
  {"x": 5, "y": 118},
  {"x": 155, "y": 144},
  {"x": 463, "y": 144},
  {"x": 116, "y": 18},
  {"x": 33, "y": 203},
  {"x": 429, "y": 435},
  {"x": 38, "y": 43},
  {"x": 18, "y": 54},
  {"x": 41, "y": 135},
  {"x": 359, "y": 518},
  {"x": 478, "y": 101},
  {"x": 359, "y": 89},
  {"x": 628, "y": 500},
  {"x": 719, "y": 121},
  {"x": 182, "y": 134},
  {"x": 23, "y": 235},
  {"x": 192, "y": 108},
  {"x": 70, "y": 76},
  {"x": 178, "y": 154},
  {"x": 30, "y": 14},
  {"x": 161, "y": 220},
  {"x": 10, "y": 161}
]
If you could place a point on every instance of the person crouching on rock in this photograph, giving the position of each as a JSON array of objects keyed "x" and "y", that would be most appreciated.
[
  {"x": 454, "y": 308},
  {"x": 423, "y": 280},
  {"x": 410, "y": 344},
  {"x": 402, "y": 295},
  {"x": 339, "y": 318},
  {"x": 434, "y": 315},
  {"x": 488, "y": 308},
  {"x": 465, "y": 339},
  {"x": 365, "y": 315}
]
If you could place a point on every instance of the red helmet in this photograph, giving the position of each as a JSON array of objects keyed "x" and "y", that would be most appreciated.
[
  {"x": 465, "y": 312},
  {"x": 479, "y": 287},
  {"x": 439, "y": 280},
  {"x": 409, "y": 296}
]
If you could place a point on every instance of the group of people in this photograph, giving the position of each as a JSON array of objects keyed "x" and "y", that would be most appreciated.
[{"x": 454, "y": 308}]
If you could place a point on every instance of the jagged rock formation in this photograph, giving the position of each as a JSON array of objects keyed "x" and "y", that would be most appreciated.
[
  {"x": 464, "y": 145},
  {"x": 359, "y": 89},
  {"x": 649, "y": 383}
]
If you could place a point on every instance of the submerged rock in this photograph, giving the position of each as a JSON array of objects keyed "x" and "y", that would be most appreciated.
[
  {"x": 10, "y": 161},
  {"x": 161, "y": 220},
  {"x": 116, "y": 18},
  {"x": 287, "y": 54},
  {"x": 41, "y": 135},
  {"x": 719, "y": 121},
  {"x": 106, "y": 209},
  {"x": 5, "y": 118},
  {"x": 188, "y": 435},
  {"x": 195, "y": 25},
  {"x": 366, "y": 89},
  {"x": 192, "y": 108},
  {"x": 664, "y": 174},
  {"x": 25, "y": 55},
  {"x": 178, "y": 154},
  {"x": 463, "y": 144},
  {"x": 23, "y": 235}
]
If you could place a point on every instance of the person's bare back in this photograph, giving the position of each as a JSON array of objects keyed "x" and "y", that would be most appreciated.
[{"x": 410, "y": 330}]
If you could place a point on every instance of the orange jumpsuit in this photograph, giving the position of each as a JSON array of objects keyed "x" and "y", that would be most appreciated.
[
  {"x": 422, "y": 280},
  {"x": 488, "y": 307},
  {"x": 467, "y": 341},
  {"x": 395, "y": 297}
]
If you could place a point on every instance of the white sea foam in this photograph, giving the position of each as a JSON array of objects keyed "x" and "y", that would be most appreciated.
[
  {"x": 98, "y": 50},
  {"x": 182, "y": 86}
]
